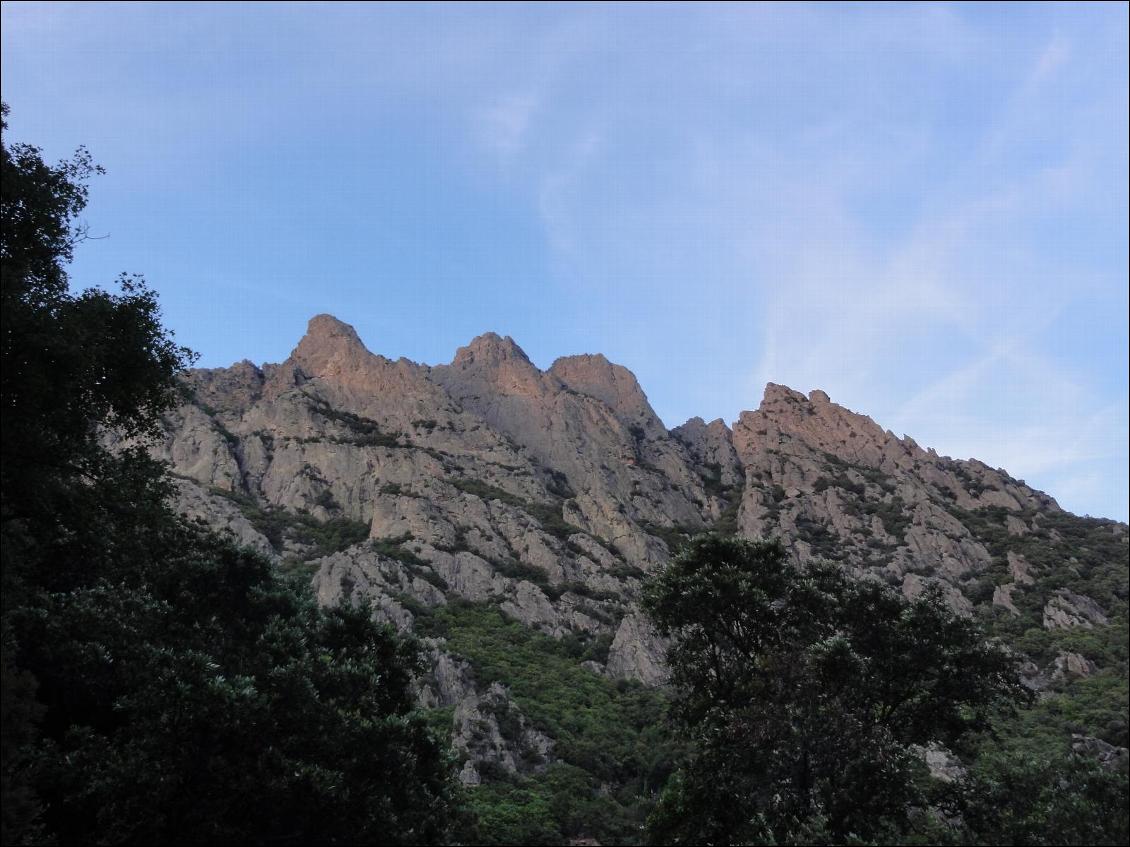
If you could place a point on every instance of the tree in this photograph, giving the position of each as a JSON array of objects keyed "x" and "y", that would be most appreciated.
[
  {"x": 161, "y": 685},
  {"x": 204, "y": 700},
  {"x": 1047, "y": 798},
  {"x": 805, "y": 693}
]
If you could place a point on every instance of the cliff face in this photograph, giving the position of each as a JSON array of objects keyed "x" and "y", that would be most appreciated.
[{"x": 551, "y": 494}]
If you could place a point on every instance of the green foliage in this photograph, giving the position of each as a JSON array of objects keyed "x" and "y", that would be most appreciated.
[
  {"x": 558, "y": 485},
  {"x": 279, "y": 525},
  {"x": 326, "y": 500},
  {"x": 514, "y": 812},
  {"x": 727, "y": 523},
  {"x": 1094, "y": 706},
  {"x": 623, "y": 570},
  {"x": 547, "y": 514},
  {"x": 362, "y": 431},
  {"x": 159, "y": 684},
  {"x": 731, "y": 497},
  {"x": 1039, "y": 799},
  {"x": 1087, "y": 556},
  {"x": 802, "y": 691},
  {"x": 204, "y": 700},
  {"x": 675, "y": 537},
  {"x": 440, "y": 721},
  {"x": 606, "y": 734},
  {"x": 394, "y": 548},
  {"x": 486, "y": 491},
  {"x": 895, "y": 515},
  {"x": 553, "y": 807},
  {"x": 551, "y": 519},
  {"x": 585, "y": 647},
  {"x": 1064, "y": 550},
  {"x": 515, "y": 569},
  {"x": 825, "y": 543},
  {"x": 328, "y": 536}
]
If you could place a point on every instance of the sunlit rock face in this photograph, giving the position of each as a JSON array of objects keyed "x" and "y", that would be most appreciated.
[{"x": 552, "y": 494}]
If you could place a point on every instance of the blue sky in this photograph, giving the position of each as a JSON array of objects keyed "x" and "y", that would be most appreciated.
[{"x": 921, "y": 209}]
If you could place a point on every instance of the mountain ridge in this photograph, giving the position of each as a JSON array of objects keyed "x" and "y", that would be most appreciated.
[{"x": 550, "y": 495}]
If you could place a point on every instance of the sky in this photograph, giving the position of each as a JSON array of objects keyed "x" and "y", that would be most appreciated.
[{"x": 920, "y": 209}]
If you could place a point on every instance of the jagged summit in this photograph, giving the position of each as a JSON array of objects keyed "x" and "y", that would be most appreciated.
[
  {"x": 325, "y": 333},
  {"x": 786, "y": 415},
  {"x": 489, "y": 348},
  {"x": 552, "y": 494},
  {"x": 338, "y": 427},
  {"x": 329, "y": 347},
  {"x": 327, "y": 326},
  {"x": 612, "y": 384}
]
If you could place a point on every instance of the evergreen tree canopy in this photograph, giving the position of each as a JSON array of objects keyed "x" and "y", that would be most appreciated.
[{"x": 805, "y": 693}]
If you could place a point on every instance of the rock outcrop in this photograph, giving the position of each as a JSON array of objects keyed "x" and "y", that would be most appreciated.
[{"x": 552, "y": 494}]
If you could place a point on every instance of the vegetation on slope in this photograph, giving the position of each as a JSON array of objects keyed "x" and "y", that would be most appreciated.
[
  {"x": 280, "y": 526},
  {"x": 1086, "y": 556},
  {"x": 613, "y": 749},
  {"x": 807, "y": 697}
]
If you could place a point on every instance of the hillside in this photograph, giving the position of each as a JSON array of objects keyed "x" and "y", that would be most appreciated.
[{"x": 509, "y": 514}]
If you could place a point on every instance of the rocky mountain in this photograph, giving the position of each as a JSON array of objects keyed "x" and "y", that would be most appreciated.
[{"x": 488, "y": 502}]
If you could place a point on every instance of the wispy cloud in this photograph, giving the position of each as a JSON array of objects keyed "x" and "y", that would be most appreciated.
[
  {"x": 866, "y": 248},
  {"x": 921, "y": 208}
]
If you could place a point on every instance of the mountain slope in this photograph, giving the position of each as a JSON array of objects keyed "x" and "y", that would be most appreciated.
[{"x": 462, "y": 498}]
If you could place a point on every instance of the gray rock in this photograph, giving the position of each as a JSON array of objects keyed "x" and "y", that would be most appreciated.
[
  {"x": 637, "y": 652},
  {"x": 1106, "y": 754},
  {"x": 1067, "y": 609},
  {"x": 1002, "y": 596},
  {"x": 552, "y": 494}
]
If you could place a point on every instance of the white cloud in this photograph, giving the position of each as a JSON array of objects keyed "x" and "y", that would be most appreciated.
[{"x": 938, "y": 299}]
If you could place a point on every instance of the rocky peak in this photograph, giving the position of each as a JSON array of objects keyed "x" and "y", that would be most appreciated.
[
  {"x": 718, "y": 429},
  {"x": 492, "y": 364},
  {"x": 329, "y": 347},
  {"x": 490, "y": 348},
  {"x": 785, "y": 416},
  {"x": 612, "y": 384},
  {"x": 814, "y": 428},
  {"x": 230, "y": 391},
  {"x": 550, "y": 495},
  {"x": 349, "y": 377}
]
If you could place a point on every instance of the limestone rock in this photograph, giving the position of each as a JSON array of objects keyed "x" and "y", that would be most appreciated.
[
  {"x": 1106, "y": 754},
  {"x": 1068, "y": 609},
  {"x": 1002, "y": 596},
  {"x": 220, "y": 514},
  {"x": 637, "y": 652},
  {"x": 612, "y": 384},
  {"x": 228, "y": 391},
  {"x": 711, "y": 445},
  {"x": 1069, "y": 665},
  {"x": 914, "y": 586},
  {"x": 942, "y": 764},
  {"x": 1020, "y": 569},
  {"x": 553, "y": 494}
]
